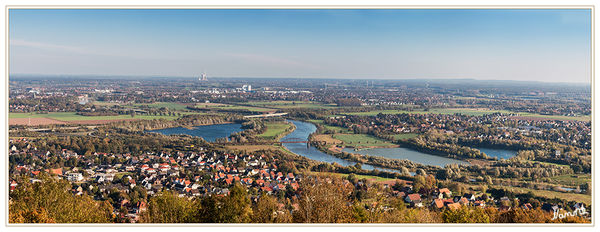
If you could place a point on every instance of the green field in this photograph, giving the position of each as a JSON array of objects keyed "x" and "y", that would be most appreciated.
[
  {"x": 235, "y": 107},
  {"x": 72, "y": 116},
  {"x": 361, "y": 140},
  {"x": 571, "y": 180},
  {"x": 274, "y": 129},
  {"x": 336, "y": 129},
  {"x": 541, "y": 162},
  {"x": 405, "y": 136},
  {"x": 169, "y": 105},
  {"x": 291, "y": 104},
  {"x": 557, "y": 117}
]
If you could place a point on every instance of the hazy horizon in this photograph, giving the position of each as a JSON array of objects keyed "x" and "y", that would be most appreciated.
[
  {"x": 92, "y": 76},
  {"x": 545, "y": 45}
]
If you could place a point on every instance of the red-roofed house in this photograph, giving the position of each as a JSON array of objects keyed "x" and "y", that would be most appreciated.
[
  {"x": 437, "y": 203},
  {"x": 414, "y": 199},
  {"x": 56, "y": 171}
]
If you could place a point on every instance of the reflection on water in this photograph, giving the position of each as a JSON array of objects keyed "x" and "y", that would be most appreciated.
[
  {"x": 209, "y": 132},
  {"x": 408, "y": 154},
  {"x": 498, "y": 153},
  {"x": 301, "y": 133}
]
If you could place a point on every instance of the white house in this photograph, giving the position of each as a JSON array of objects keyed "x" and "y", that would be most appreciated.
[{"x": 74, "y": 176}]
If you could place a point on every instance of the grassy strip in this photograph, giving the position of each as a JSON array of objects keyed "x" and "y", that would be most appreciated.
[
  {"x": 291, "y": 104},
  {"x": 405, "y": 136},
  {"x": 571, "y": 179},
  {"x": 169, "y": 105},
  {"x": 72, "y": 116},
  {"x": 233, "y": 107},
  {"x": 557, "y": 117}
]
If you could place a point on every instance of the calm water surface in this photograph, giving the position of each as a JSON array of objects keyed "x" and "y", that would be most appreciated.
[
  {"x": 209, "y": 132},
  {"x": 498, "y": 153},
  {"x": 408, "y": 154},
  {"x": 301, "y": 133}
]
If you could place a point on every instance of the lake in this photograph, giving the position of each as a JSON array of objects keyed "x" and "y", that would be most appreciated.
[
  {"x": 402, "y": 153},
  {"x": 208, "y": 132},
  {"x": 301, "y": 133},
  {"x": 498, "y": 153}
]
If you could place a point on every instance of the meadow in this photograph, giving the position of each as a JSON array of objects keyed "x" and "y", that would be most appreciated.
[
  {"x": 169, "y": 105},
  {"x": 556, "y": 117},
  {"x": 335, "y": 129},
  {"x": 72, "y": 116},
  {"x": 405, "y": 136},
  {"x": 234, "y": 107},
  {"x": 361, "y": 139},
  {"x": 571, "y": 179},
  {"x": 274, "y": 129},
  {"x": 291, "y": 104}
]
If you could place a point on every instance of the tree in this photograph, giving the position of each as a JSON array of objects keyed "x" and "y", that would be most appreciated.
[
  {"x": 52, "y": 201},
  {"x": 519, "y": 215},
  {"x": 167, "y": 207},
  {"x": 323, "y": 200},
  {"x": 266, "y": 210},
  {"x": 465, "y": 214},
  {"x": 234, "y": 208},
  {"x": 39, "y": 215}
]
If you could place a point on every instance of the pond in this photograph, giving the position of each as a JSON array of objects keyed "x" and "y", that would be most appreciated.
[
  {"x": 407, "y": 154},
  {"x": 498, "y": 153},
  {"x": 208, "y": 132}
]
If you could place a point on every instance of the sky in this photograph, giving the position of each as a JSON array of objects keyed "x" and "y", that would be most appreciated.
[{"x": 551, "y": 45}]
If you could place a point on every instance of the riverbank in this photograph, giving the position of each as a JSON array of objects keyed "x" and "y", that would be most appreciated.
[
  {"x": 396, "y": 164},
  {"x": 335, "y": 147}
]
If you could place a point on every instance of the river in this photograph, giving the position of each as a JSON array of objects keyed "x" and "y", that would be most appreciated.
[
  {"x": 408, "y": 154},
  {"x": 301, "y": 133}
]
